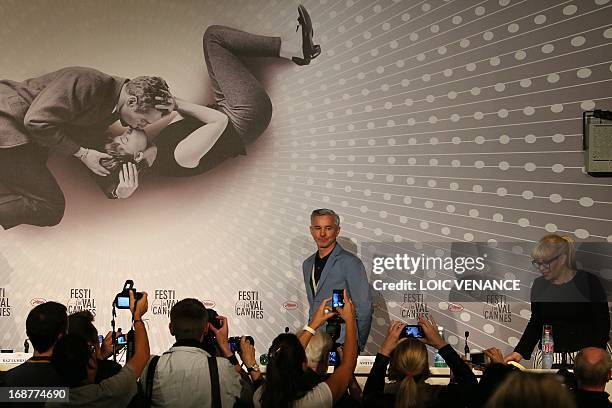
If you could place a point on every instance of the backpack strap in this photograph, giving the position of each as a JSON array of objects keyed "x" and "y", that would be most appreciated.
[
  {"x": 149, "y": 384},
  {"x": 214, "y": 382}
]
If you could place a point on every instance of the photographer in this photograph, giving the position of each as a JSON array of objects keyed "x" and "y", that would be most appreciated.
[
  {"x": 181, "y": 377},
  {"x": 288, "y": 383},
  {"x": 81, "y": 324},
  {"x": 410, "y": 368},
  {"x": 76, "y": 360}
]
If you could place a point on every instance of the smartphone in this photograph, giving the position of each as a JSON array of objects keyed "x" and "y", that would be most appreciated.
[
  {"x": 121, "y": 340},
  {"x": 412, "y": 331},
  {"x": 333, "y": 358},
  {"x": 337, "y": 299}
]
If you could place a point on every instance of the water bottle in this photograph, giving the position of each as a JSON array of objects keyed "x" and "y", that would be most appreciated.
[
  {"x": 548, "y": 347},
  {"x": 438, "y": 360}
]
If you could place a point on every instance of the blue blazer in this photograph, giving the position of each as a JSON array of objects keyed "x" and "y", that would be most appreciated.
[{"x": 342, "y": 270}]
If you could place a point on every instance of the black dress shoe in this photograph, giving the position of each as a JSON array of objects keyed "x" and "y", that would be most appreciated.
[{"x": 309, "y": 49}]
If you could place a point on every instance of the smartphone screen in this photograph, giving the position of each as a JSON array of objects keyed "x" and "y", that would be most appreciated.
[
  {"x": 121, "y": 340},
  {"x": 333, "y": 358},
  {"x": 337, "y": 298},
  {"x": 413, "y": 330}
]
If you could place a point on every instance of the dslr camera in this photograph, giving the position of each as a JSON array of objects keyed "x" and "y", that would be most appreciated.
[
  {"x": 210, "y": 341},
  {"x": 122, "y": 300},
  {"x": 234, "y": 343}
]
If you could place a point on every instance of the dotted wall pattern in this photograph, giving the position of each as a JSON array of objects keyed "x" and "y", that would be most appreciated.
[{"x": 421, "y": 122}]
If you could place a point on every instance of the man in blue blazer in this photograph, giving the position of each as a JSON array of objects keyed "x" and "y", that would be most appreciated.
[{"x": 333, "y": 267}]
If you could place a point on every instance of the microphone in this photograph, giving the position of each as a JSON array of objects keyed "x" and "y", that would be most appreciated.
[
  {"x": 466, "y": 349},
  {"x": 286, "y": 329}
]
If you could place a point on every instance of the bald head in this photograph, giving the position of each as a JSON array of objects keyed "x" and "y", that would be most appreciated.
[{"x": 592, "y": 367}]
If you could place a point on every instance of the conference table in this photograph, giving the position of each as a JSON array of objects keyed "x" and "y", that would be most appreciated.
[{"x": 439, "y": 375}]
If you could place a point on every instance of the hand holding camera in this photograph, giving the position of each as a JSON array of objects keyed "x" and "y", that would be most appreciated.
[
  {"x": 493, "y": 355},
  {"x": 246, "y": 350},
  {"x": 140, "y": 307},
  {"x": 122, "y": 300},
  {"x": 345, "y": 307},
  {"x": 393, "y": 337},
  {"x": 321, "y": 315},
  {"x": 430, "y": 331},
  {"x": 221, "y": 331}
]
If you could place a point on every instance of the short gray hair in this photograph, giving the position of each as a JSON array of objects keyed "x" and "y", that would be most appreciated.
[
  {"x": 324, "y": 211},
  {"x": 318, "y": 347},
  {"x": 592, "y": 373}
]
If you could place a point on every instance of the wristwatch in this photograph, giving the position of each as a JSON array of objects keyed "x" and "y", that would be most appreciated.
[{"x": 254, "y": 367}]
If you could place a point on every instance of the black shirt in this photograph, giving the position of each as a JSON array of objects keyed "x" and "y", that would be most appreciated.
[
  {"x": 36, "y": 372},
  {"x": 319, "y": 265},
  {"x": 227, "y": 146},
  {"x": 577, "y": 311},
  {"x": 592, "y": 399}
]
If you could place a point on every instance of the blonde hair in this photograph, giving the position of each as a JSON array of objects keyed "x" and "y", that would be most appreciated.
[
  {"x": 410, "y": 367},
  {"x": 529, "y": 390},
  {"x": 560, "y": 245},
  {"x": 320, "y": 344}
]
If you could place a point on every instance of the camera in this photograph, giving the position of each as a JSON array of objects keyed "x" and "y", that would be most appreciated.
[
  {"x": 122, "y": 300},
  {"x": 333, "y": 328},
  {"x": 479, "y": 359},
  {"x": 210, "y": 341},
  {"x": 213, "y": 318},
  {"x": 121, "y": 340},
  {"x": 412, "y": 331},
  {"x": 234, "y": 343}
]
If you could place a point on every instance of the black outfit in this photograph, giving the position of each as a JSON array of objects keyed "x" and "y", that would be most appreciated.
[
  {"x": 227, "y": 146},
  {"x": 106, "y": 369},
  {"x": 36, "y": 372},
  {"x": 319, "y": 265},
  {"x": 491, "y": 379},
  {"x": 592, "y": 399},
  {"x": 238, "y": 94},
  {"x": 577, "y": 311},
  {"x": 456, "y": 394}
]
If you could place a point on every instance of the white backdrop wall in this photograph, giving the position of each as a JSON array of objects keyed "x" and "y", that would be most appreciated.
[{"x": 421, "y": 121}]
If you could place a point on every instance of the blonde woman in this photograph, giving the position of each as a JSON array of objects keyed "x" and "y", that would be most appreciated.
[
  {"x": 572, "y": 301},
  {"x": 410, "y": 368}
]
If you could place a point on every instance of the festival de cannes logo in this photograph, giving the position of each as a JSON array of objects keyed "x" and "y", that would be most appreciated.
[
  {"x": 163, "y": 300},
  {"x": 497, "y": 308},
  {"x": 5, "y": 305},
  {"x": 249, "y": 305},
  {"x": 414, "y": 306},
  {"x": 81, "y": 299}
]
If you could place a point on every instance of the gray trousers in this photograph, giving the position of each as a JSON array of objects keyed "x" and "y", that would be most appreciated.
[{"x": 237, "y": 92}]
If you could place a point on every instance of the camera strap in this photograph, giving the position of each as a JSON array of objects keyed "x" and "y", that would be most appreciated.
[
  {"x": 149, "y": 384},
  {"x": 214, "y": 382}
]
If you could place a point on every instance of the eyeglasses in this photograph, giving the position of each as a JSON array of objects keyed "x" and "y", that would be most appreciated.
[{"x": 546, "y": 264}]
